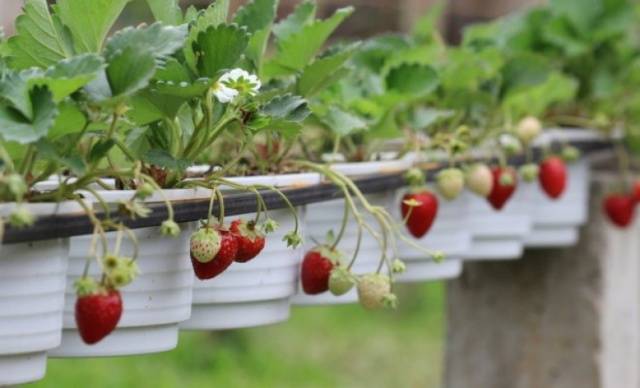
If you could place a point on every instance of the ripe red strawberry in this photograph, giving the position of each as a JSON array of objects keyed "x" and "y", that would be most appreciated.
[
  {"x": 316, "y": 269},
  {"x": 636, "y": 191},
  {"x": 505, "y": 181},
  {"x": 421, "y": 217},
  {"x": 97, "y": 314},
  {"x": 221, "y": 261},
  {"x": 250, "y": 240},
  {"x": 620, "y": 209},
  {"x": 553, "y": 176}
]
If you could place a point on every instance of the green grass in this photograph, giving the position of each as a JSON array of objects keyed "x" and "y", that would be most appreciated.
[{"x": 318, "y": 347}]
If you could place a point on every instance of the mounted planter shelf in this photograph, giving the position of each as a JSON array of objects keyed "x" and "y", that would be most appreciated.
[
  {"x": 449, "y": 234},
  {"x": 32, "y": 284},
  {"x": 326, "y": 216},
  {"x": 258, "y": 292}
]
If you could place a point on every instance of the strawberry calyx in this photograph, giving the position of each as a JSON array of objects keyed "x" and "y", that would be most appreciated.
[
  {"x": 247, "y": 229},
  {"x": 331, "y": 254}
]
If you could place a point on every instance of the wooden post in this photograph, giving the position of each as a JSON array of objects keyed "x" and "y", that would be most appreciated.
[{"x": 557, "y": 318}]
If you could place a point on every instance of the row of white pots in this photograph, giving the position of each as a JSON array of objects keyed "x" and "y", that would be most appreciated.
[{"x": 165, "y": 297}]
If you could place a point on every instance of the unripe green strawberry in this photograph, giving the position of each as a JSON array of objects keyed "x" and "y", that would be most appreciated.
[
  {"x": 450, "y": 183},
  {"x": 528, "y": 129},
  {"x": 341, "y": 281},
  {"x": 374, "y": 291},
  {"x": 570, "y": 153},
  {"x": 205, "y": 244},
  {"x": 480, "y": 179},
  {"x": 529, "y": 172}
]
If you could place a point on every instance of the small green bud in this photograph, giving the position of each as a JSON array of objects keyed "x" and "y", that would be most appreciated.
[
  {"x": 21, "y": 217},
  {"x": 570, "y": 153},
  {"x": 170, "y": 228},
  {"x": 529, "y": 172},
  {"x": 398, "y": 266},
  {"x": 110, "y": 262},
  {"x": 292, "y": 239},
  {"x": 390, "y": 301},
  {"x": 414, "y": 177},
  {"x": 145, "y": 190},
  {"x": 270, "y": 226},
  {"x": 438, "y": 256}
]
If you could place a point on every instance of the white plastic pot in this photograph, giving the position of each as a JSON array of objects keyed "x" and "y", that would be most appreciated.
[
  {"x": 449, "y": 234},
  {"x": 258, "y": 292},
  {"x": 254, "y": 293},
  {"x": 153, "y": 305},
  {"x": 32, "y": 283},
  {"x": 326, "y": 216},
  {"x": 498, "y": 235},
  {"x": 158, "y": 299},
  {"x": 556, "y": 222}
]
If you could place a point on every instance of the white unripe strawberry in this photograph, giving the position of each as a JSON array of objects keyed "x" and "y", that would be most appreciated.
[
  {"x": 480, "y": 179},
  {"x": 450, "y": 183}
]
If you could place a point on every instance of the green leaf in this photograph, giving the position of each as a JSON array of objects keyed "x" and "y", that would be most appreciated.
[
  {"x": 15, "y": 90},
  {"x": 162, "y": 158},
  {"x": 69, "y": 75},
  {"x": 301, "y": 16},
  {"x": 582, "y": 13},
  {"x": 213, "y": 16},
  {"x": 50, "y": 151},
  {"x": 166, "y": 11},
  {"x": 287, "y": 107},
  {"x": 342, "y": 122},
  {"x": 412, "y": 79},
  {"x": 256, "y": 15},
  {"x": 133, "y": 56},
  {"x": 219, "y": 48},
  {"x": 296, "y": 50},
  {"x": 70, "y": 120},
  {"x": 14, "y": 126},
  {"x": 320, "y": 73},
  {"x": 100, "y": 150},
  {"x": 535, "y": 100},
  {"x": 423, "y": 118},
  {"x": 89, "y": 21},
  {"x": 40, "y": 38}
]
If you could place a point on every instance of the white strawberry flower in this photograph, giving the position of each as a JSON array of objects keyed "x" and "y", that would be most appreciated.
[{"x": 234, "y": 83}]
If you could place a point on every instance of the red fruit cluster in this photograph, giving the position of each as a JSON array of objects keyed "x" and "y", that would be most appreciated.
[
  {"x": 235, "y": 245},
  {"x": 222, "y": 260},
  {"x": 620, "y": 208}
]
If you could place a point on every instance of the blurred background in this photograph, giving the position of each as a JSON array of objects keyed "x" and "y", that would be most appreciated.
[{"x": 334, "y": 346}]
